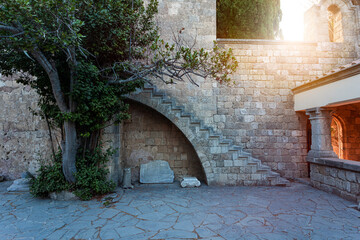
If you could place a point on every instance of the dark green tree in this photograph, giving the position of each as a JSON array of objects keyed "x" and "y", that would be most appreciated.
[
  {"x": 82, "y": 57},
  {"x": 248, "y": 19}
]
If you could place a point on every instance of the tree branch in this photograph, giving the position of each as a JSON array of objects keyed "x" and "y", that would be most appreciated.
[
  {"x": 9, "y": 29},
  {"x": 53, "y": 76},
  {"x": 48, "y": 67},
  {"x": 14, "y": 35}
]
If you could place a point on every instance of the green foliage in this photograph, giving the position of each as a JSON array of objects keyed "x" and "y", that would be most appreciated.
[
  {"x": 248, "y": 19},
  {"x": 97, "y": 101},
  {"x": 223, "y": 64},
  {"x": 110, "y": 41},
  {"x": 114, "y": 30},
  {"x": 90, "y": 178},
  {"x": 47, "y": 24},
  {"x": 82, "y": 58},
  {"x": 50, "y": 179},
  {"x": 181, "y": 62},
  {"x": 99, "y": 31}
]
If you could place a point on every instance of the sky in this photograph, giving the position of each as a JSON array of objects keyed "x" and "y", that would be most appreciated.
[{"x": 292, "y": 23}]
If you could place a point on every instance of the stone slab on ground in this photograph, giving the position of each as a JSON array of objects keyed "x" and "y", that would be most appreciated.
[
  {"x": 209, "y": 212},
  {"x": 190, "y": 182},
  {"x": 63, "y": 196},
  {"x": 156, "y": 172},
  {"x": 20, "y": 185}
]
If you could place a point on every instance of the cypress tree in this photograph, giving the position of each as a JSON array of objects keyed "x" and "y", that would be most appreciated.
[{"x": 248, "y": 19}]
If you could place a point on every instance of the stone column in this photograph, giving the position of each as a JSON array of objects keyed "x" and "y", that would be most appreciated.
[
  {"x": 115, "y": 168},
  {"x": 320, "y": 119}
]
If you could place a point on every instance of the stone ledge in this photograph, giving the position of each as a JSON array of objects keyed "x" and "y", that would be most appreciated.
[
  {"x": 263, "y": 42},
  {"x": 340, "y": 74},
  {"x": 338, "y": 163},
  {"x": 334, "y": 190}
]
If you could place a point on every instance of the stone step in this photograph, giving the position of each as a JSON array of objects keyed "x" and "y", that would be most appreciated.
[
  {"x": 217, "y": 144},
  {"x": 185, "y": 115}
]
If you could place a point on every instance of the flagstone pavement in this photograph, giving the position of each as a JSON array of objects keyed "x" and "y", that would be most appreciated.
[{"x": 171, "y": 212}]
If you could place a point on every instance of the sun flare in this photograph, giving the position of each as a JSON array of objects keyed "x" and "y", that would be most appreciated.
[{"x": 292, "y": 23}]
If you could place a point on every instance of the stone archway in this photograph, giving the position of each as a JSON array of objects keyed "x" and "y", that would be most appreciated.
[
  {"x": 223, "y": 162},
  {"x": 184, "y": 125},
  {"x": 150, "y": 136},
  {"x": 337, "y": 136},
  {"x": 335, "y": 24}
]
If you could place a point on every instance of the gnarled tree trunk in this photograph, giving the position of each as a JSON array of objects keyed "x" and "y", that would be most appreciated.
[{"x": 70, "y": 147}]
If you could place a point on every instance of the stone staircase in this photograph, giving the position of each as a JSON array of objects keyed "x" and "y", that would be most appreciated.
[{"x": 224, "y": 163}]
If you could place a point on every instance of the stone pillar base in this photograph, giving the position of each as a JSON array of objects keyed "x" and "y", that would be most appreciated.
[{"x": 322, "y": 154}]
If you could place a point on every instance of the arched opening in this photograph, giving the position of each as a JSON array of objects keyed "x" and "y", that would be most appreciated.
[
  {"x": 335, "y": 24},
  {"x": 337, "y": 137},
  {"x": 149, "y": 136}
]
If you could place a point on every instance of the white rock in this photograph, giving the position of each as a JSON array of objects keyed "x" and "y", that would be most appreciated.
[
  {"x": 156, "y": 172},
  {"x": 20, "y": 185},
  {"x": 22, "y": 181},
  {"x": 190, "y": 182}
]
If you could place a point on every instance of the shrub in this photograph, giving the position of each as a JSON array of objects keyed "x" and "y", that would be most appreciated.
[
  {"x": 50, "y": 179},
  {"x": 90, "y": 177}
]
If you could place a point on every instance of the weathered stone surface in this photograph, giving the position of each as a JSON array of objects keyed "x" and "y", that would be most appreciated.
[
  {"x": 156, "y": 172},
  {"x": 126, "y": 183},
  {"x": 63, "y": 196},
  {"x": 256, "y": 112},
  {"x": 159, "y": 140},
  {"x": 190, "y": 182},
  {"x": 24, "y": 138},
  {"x": 155, "y": 212},
  {"x": 20, "y": 185},
  {"x": 343, "y": 184},
  {"x": 26, "y": 175}
]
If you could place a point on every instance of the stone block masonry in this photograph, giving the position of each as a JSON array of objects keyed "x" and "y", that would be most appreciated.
[
  {"x": 195, "y": 21},
  {"x": 218, "y": 155},
  {"x": 149, "y": 136},
  {"x": 24, "y": 138},
  {"x": 341, "y": 177},
  {"x": 256, "y": 109}
]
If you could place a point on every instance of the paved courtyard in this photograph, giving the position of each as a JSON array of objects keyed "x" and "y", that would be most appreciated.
[{"x": 170, "y": 212}]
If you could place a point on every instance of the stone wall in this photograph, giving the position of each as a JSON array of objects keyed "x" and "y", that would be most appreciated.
[
  {"x": 341, "y": 177},
  {"x": 257, "y": 109},
  {"x": 196, "y": 20},
  {"x": 317, "y": 25},
  {"x": 311, "y": 29},
  {"x": 24, "y": 138},
  {"x": 149, "y": 136}
]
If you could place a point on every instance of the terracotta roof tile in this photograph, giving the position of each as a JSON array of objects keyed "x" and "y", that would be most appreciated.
[{"x": 340, "y": 68}]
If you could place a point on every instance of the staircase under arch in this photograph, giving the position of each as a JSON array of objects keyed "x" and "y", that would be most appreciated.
[{"x": 224, "y": 163}]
